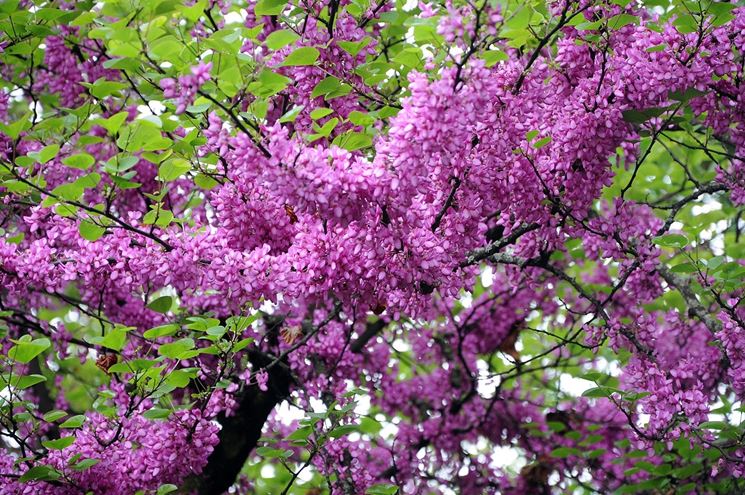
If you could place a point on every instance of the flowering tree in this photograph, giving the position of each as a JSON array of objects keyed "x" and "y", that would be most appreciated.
[{"x": 360, "y": 247}]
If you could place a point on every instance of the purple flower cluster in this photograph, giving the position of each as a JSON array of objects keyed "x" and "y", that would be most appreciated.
[
  {"x": 185, "y": 89},
  {"x": 476, "y": 155}
]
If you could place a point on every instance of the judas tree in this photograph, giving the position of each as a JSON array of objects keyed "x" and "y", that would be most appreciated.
[{"x": 353, "y": 247}]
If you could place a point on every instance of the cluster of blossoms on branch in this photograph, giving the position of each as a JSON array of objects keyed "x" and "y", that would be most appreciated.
[{"x": 448, "y": 210}]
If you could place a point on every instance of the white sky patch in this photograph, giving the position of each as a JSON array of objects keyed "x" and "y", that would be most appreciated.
[
  {"x": 267, "y": 471},
  {"x": 486, "y": 384},
  {"x": 287, "y": 413},
  {"x": 466, "y": 299},
  {"x": 643, "y": 420},
  {"x": 401, "y": 345},
  {"x": 707, "y": 207},
  {"x": 238, "y": 17},
  {"x": 507, "y": 457},
  {"x": 487, "y": 276},
  {"x": 154, "y": 107},
  {"x": 574, "y": 386}
]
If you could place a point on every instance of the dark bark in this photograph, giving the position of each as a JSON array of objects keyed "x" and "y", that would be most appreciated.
[
  {"x": 241, "y": 432},
  {"x": 44, "y": 398},
  {"x": 371, "y": 331}
]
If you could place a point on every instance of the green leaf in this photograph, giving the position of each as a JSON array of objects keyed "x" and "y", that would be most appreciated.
[
  {"x": 73, "y": 422},
  {"x": 564, "y": 452},
  {"x": 593, "y": 454},
  {"x": 621, "y": 20},
  {"x": 361, "y": 119},
  {"x": 167, "y": 488},
  {"x": 103, "y": 88},
  {"x": 166, "y": 48},
  {"x": 40, "y": 473},
  {"x": 60, "y": 443},
  {"x": 493, "y": 57},
  {"x": 118, "y": 49},
  {"x": 657, "y": 48},
  {"x": 163, "y": 304},
  {"x": 268, "y": 84},
  {"x": 320, "y": 113},
  {"x": 343, "y": 430},
  {"x": 324, "y": 131},
  {"x": 325, "y": 87},
  {"x": 142, "y": 135},
  {"x": 641, "y": 116},
  {"x": 714, "y": 425},
  {"x": 352, "y": 47},
  {"x": 217, "y": 331},
  {"x": 16, "y": 128},
  {"x": 85, "y": 464},
  {"x": 156, "y": 413},
  {"x": 180, "y": 378},
  {"x": 242, "y": 344},
  {"x": 300, "y": 435},
  {"x": 599, "y": 392},
  {"x": 125, "y": 63},
  {"x": 269, "y": 7},
  {"x": 686, "y": 267},
  {"x": 686, "y": 95},
  {"x": 230, "y": 80},
  {"x": 9, "y": 6},
  {"x": 48, "y": 152},
  {"x": 687, "y": 471},
  {"x": 520, "y": 19},
  {"x": 82, "y": 161},
  {"x": 120, "y": 163},
  {"x": 26, "y": 381},
  {"x": 172, "y": 169},
  {"x": 132, "y": 366},
  {"x": 382, "y": 489},
  {"x": 671, "y": 240},
  {"x": 205, "y": 181},
  {"x": 352, "y": 141},
  {"x": 410, "y": 57},
  {"x": 175, "y": 350},
  {"x": 113, "y": 123},
  {"x": 53, "y": 416},
  {"x": 272, "y": 453},
  {"x": 280, "y": 39},
  {"x": 20, "y": 382},
  {"x": 161, "y": 331},
  {"x": 115, "y": 339},
  {"x": 26, "y": 350},
  {"x": 722, "y": 13},
  {"x": 194, "y": 12},
  {"x": 588, "y": 26},
  {"x": 90, "y": 231},
  {"x": 306, "y": 55},
  {"x": 542, "y": 142},
  {"x": 685, "y": 24},
  {"x": 291, "y": 114},
  {"x": 159, "y": 217},
  {"x": 88, "y": 181},
  {"x": 714, "y": 263},
  {"x": 370, "y": 426},
  {"x": 556, "y": 426}
]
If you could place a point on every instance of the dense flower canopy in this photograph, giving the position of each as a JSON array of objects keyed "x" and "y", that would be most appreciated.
[{"x": 353, "y": 247}]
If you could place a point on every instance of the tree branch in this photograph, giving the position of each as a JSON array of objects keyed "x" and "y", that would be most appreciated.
[
  {"x": 694, "y": 305},
  {"x": 241, "y": 432},
  {"x": 371, "y": 331},
  {"x": 481, "y": 254}
]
